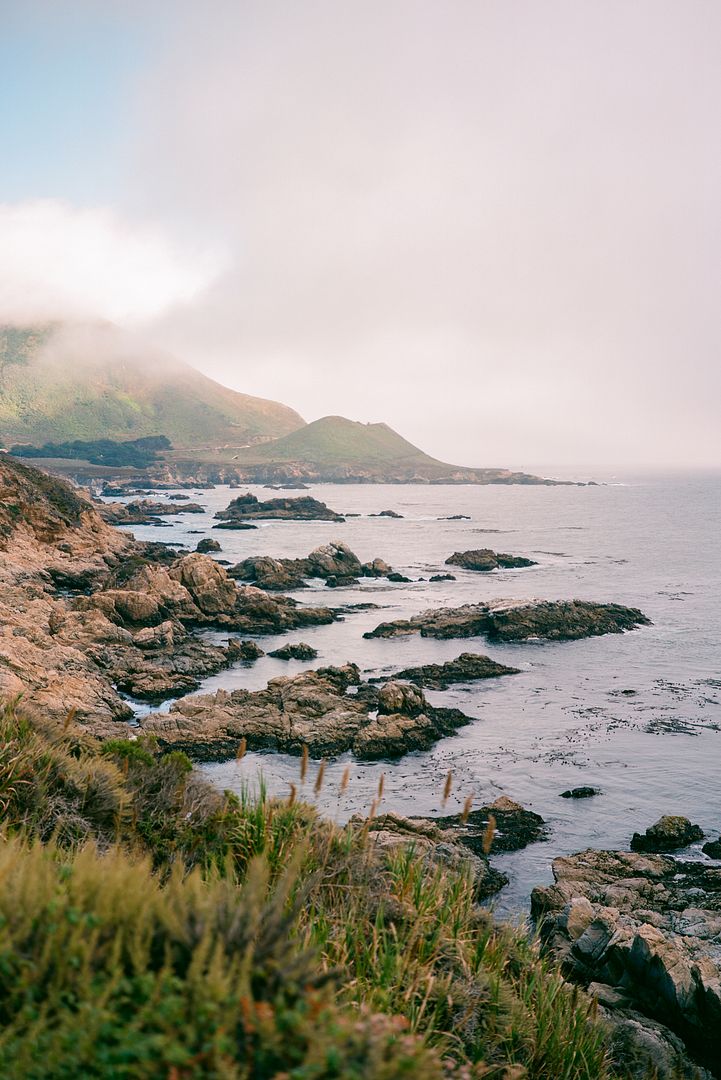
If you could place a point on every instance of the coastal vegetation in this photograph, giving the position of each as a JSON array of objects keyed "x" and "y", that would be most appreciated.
[{"x": 153, "y": 927}]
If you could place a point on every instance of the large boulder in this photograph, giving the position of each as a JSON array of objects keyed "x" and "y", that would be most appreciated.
[
  {"x": 669, "y": 833},
  {"x": 468, "y": 667},
  {"x": 484, "y": 560}
]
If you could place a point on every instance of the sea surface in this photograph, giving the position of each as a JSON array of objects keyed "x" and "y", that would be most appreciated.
[{"x": 637, "y": 715}]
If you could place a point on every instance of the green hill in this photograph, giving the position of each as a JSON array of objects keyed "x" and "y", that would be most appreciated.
[
  {"x": 111, "y": 390},
  {"x": 333, "y": 440},
  {"x": 336, "y": 449}
]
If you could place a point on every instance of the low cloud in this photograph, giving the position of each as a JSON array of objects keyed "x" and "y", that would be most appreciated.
[{"x": 61, "y": 262}]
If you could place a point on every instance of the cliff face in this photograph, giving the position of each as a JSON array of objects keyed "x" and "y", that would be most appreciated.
[
  {"x": 88, "y": 614},
  {"x": 51, "y": 539}
]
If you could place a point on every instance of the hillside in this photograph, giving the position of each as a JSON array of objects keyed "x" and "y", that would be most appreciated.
[
  {"x": 333, "y": 440},
  {"x": 336, "y": 449},
  {"x": 90, "y": 383}
]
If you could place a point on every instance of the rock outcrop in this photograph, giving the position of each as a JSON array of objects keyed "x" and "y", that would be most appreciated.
[
  {"x": 503, "y": 825},
  {"x": 197, "y": 591},
  {"x": 468, "y": 667},
  {"x": 516, "y": 620},
  {"x": 311, "y": 709},
  {"x": 144, "y": 511},
  {"x": 669, "y": 833},
  {"x": 207, "y": 545},
  {"x": 334, "y": 560},
  {"x": 483, "y": 559},
  {"x": 303, "y": 508},
  {"x": 89, "y": 615},
  {"x": 643, "y": 933},
  {"x": 298, "y": 650}
]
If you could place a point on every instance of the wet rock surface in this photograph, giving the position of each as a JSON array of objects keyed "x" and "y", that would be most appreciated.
[
  {"x": 485, "y": 560},
  {"x": 467, "y": 667},
  {"x": 311, "y": 709},
  {"x": 303, "y": 508},
  {"x": 669, "y": 833},
  {"x": 517, "y": 620},
  {"x": 207, "y": 545},
  {"x": 144, "y": 511},
  {"x": 643, "y": 931},
  {"x": 296, "y": 651},
  {"x": 503, "y": 825},
  {"x": 334, "y": 560},
  {"x": 580, "y": 793}
]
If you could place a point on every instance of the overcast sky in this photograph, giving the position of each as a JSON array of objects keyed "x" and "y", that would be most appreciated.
[{"x": 494, "y": 225}]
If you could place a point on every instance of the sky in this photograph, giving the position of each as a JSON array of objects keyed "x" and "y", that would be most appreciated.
[{"x": 493, "y": 224}]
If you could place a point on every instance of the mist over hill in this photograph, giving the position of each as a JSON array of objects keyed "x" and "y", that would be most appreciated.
[
  {"x": 89, "y": 382},
  {"x": 65, "y": 389}
]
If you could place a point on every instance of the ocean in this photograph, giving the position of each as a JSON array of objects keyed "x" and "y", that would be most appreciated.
[{"x": 637, "y": 714}]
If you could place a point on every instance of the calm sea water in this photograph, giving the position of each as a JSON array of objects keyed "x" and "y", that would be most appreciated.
[{"x": 638, "y": 714}]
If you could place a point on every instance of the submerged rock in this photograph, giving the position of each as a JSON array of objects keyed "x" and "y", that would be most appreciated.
[
  {"x": 580, "y": 793},
  {"x": 303, "y": 508},
  {"x": 442, "y": 577},
  {"x": 465, "y": 668},
  {"x": 669, "y": 833},
  {"x": 387, "y": 514},
  {"x": 484, "y": 559},
  {"x": 512, "y": 620}
]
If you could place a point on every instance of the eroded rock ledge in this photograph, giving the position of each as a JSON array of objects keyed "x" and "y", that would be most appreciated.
[
  {"x": 643, "y": 933},
  {"x": 313, "y": 709},
  {"x": 468, "y": 667},
  {"x": 248, "y": 506},
  {"x": 516, "y": 620},
  {"x": 332, "y": 560},
  {"x": 485, "y": 560},
  {"x": 503, "y": 825},
  {"x": 88, "y": 614}
]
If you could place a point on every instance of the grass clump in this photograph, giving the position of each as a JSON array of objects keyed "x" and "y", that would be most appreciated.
[{"x": 153, "y": 927}]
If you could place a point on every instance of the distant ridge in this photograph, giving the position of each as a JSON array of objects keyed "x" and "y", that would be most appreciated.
[
  {"x": 337, "y": 450},
  {"x": 103, "y": 387},
  {"x": 68, "y": 384}
]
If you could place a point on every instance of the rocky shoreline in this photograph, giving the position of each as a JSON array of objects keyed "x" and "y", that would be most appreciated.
[
  {"x": 90, "y": 617},
  {"x": 642, "y": 934}
]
